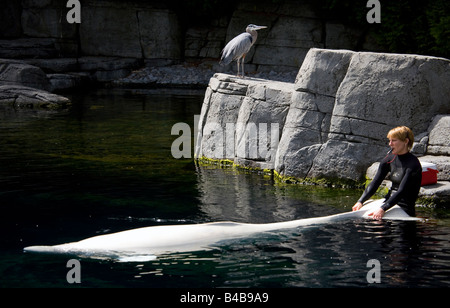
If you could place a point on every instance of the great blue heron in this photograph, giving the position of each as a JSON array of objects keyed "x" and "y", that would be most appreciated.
[{"x": 237, "y": 48}]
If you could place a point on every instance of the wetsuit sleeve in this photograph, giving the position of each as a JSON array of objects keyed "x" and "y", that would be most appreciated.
[
  {"x": 397, "y": 195},
  {"x": 383, "y": 170}
]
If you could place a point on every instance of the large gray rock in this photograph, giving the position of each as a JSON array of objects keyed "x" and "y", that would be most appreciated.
[
  {"x": 335, "y": 118},
  {"x": 347, "y": 104},
  {"x": 381, "y": 91},
  {"x": 439, "y": 138},
  {"x": 19, "y": 73},
  {"x": 260, "y": 122},
  {"x": 323, "y": 71},
  {"x": 342, "y": 162},
  {"x": 21, "y": 97},
  {"x": 309, "y": 118},
  {"x": 304, "y": 131},
  {"x": 243, "y": 119},
  {"x": 24, "y": 86},
  {"x": 437, "y": 195},
  {"x": 218, "y": 118}
]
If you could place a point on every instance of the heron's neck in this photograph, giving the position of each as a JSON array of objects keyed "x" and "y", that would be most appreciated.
[{"x": 254, "y": 35}]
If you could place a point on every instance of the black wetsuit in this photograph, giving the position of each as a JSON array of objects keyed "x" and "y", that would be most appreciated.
[{"x": 406, "y": 176}]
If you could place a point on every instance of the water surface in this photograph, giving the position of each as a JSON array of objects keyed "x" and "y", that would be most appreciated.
[{"x": 105, "y": 165}]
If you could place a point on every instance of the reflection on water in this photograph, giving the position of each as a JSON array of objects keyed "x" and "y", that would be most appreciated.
[
  {"x": 105, "y": 166},
  {"x": 243, "y": 196}
]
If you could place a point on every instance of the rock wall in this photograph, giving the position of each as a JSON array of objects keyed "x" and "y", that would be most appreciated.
[
  {"x": 333, "y": 121},
  {"x": 133, "y": 29},
  {"x": 156, "y": 32},
  {"x": 129, "y": 30}
]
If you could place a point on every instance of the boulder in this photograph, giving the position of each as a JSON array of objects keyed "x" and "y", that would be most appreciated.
[
  {"x": 217, "y": 120},
  {"x": 437, "y": 195},
  {"x": 304, "y": 131},
  {"x": 260, "y": 122},
  {"x": 25, "y": 86},
  {"x": 308, "y": 121},
  {"x": 335, "y": 118},
  {"x": 242, "y": 119},
  {"x": 14, "y": 72},
  {"x": 21, "y": 97},
  {"x": 439, "y": 138},
  {"x": 347, "y": 102},
  {"x": 381, "y": 91},
  {"x": 323, "y": 70}
]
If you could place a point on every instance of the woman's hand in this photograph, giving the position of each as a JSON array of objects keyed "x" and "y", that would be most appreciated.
[
  {"x": 377, "y": 214},
  {"x": 357, "y": 206}
]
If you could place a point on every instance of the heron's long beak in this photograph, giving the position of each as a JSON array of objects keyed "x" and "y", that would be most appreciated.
[{"x": 260, "y": 27}]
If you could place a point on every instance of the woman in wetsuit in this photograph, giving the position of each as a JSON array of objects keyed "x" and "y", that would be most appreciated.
[{"x": 405, "y": 174}]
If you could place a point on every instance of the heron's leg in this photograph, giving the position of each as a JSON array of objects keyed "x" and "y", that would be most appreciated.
[
  {"x": 237, "y": 74},
  {"x": 243, "y": 71}
]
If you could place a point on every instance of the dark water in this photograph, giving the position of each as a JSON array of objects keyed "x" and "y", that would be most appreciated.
[{"x": 105, "y": 165}]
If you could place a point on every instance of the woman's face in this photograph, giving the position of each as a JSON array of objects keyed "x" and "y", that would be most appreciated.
[{"x": 398, "y": 147}]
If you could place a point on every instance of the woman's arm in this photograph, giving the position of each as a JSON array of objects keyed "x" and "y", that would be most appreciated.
[
  {"x": 371, "y": 189},
  {"x": 397, "y": 195}
]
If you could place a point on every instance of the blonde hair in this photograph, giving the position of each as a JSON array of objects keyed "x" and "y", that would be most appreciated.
[{"x": 401, "y": 133}]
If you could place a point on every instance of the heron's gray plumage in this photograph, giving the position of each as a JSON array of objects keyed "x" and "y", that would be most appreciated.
[{"x": 238, "y": 47}]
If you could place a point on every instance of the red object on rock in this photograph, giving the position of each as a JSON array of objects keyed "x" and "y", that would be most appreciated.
[{"x": 429, "y": 173}]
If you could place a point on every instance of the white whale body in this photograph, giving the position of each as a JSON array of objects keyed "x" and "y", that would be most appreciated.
[{"x": 146, "y": 243}]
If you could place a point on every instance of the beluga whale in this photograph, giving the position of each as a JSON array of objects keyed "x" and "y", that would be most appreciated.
[{"x": 144, "y": 244}]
